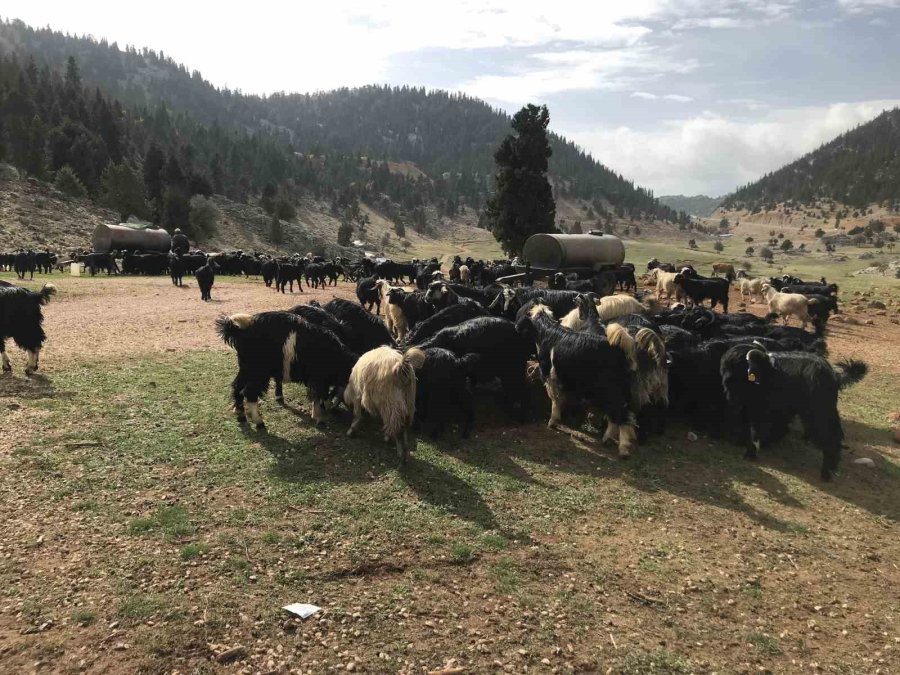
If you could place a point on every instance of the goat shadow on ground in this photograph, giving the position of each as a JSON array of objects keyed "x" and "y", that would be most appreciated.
[
  {"x": 329, "y": 455},
  {"x": 35, "y": 387}
]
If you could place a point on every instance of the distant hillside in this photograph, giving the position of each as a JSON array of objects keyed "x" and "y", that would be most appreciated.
[
  {"x": 696, "y": 205},
  {"x": 343, "y": 145},
  {"x": 858, "y": 168}
]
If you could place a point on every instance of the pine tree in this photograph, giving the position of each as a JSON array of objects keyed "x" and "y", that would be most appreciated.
[
  {"x": 123, "y": 190},
  {"x": 67, "y": 181},
  {"x": 523, "y": 203}
]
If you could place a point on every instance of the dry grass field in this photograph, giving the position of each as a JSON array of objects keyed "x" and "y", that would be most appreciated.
[{"x": 143, "y": 530}]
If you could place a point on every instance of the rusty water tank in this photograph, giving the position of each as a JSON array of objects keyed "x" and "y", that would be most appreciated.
[
  {"x": 564, "y": 251},
  {"x": 130, "y": 237}
]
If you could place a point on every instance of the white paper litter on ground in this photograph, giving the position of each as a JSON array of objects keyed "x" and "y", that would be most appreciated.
[
  {"x": 864, "y": 461},
  {"x": 302, "y": 609}
]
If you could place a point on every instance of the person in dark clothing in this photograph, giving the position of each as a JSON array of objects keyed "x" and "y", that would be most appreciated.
[{"x": 180, "y": 243}]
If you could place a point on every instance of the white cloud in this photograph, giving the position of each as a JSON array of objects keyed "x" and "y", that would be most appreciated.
[
  {"x": 655, "y": 97},
  {"x": 712, "y": 154},
  {"x": 865, "y": 6},
  {"x": 604, "y": 69}
]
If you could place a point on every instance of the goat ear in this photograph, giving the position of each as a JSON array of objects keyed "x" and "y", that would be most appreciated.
[{"x": 444, "y": 290}]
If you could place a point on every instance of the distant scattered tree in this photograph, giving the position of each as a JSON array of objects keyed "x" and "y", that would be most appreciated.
[
  {"x": 576, "y": 228},
  {"x": 787, "y": 245},
  {"x": 284, "y": 209},
  {"x": 276, "y": 231},
  {"x": 122, "y": 189},
  {"x": 766, "y": 253},
  {"x": 345, "y": 233},
  {"x": 692, "y": 243},
  {"x": 723, "y": 224},
  {"x": 399, "y": 229},
  {"x": 748, "y": 240},
  {"x": 68, "y": 182},
  {"x": 719, "y": 246},
  {"x": 523, "y": 202},
  {"x": 819, "y": 233},
  {"x": 204, "y": 216},
  {"x": 749, "y": 251},
  {"x": 385, "y": 240}
]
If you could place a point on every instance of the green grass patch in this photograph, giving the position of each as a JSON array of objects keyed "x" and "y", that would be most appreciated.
[
  {"x": 660, "y": 661},
  {"x": 84, "y": 617},
  {"x": 139, "y": 606},
  {"x": 462, "y": 552},
  {"x": 170, "y": 521},
  {"x": 191, "y": 551},
  {"x": 765, "y": 644}
]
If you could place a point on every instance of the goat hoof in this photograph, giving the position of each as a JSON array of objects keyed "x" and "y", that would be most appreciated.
[
  {"x": 261, "y": 426},
  {"x": 242, "y": 419},
  {"x": 29, "y": 372},
  {"x": 279, "y": 400},
  {"x": 7, "y": 369}
]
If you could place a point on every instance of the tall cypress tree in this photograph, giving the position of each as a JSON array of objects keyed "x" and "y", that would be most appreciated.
[{"x": 523, "y": 203}]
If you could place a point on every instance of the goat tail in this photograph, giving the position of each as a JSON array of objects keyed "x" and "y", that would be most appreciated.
[
  {"x": 405, "y": 369},
  {"x": 46, "y": 291},
  {"x": 651, "y": 344},
  {"x": 229, "y": 328},
  {"x": 850, "y": 372},
  {"x": 618, "y": 337},
  {"x": 414, "y": 357}
]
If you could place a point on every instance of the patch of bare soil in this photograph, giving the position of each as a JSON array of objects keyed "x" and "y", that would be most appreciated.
[{"x": 113, "y": 318}]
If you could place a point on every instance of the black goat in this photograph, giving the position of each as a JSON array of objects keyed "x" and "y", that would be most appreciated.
[
  {"x": 287, "y": 274},
  {"x": 698, "y": 290},
  {"x": 368, "y": 294},
  {"x": 502, "y": 352},
  {"x": 364, "y": 331},
  {"x": 584, "y": 367},
  {"x": 443, "y": 390},
  {"x": 284, "y": 347},
  {"x": 449, "y": 316},
  {"x": 269, "y": 271},
  {"x": 176, "y": 268},
  {"x": 769, "y": 389},
  {"x": 20, "y": 319},
  {"x": 206, "y": 277}
]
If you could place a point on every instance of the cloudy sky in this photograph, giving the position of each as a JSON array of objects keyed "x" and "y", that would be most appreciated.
[{"x": 683, "y": 96}]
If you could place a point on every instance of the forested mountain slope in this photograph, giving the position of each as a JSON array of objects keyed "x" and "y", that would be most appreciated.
[
  {"x": 340, "y": 145},
  {"x": 858, "y": 168}
]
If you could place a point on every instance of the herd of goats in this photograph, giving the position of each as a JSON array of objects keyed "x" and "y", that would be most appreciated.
[{"x": 420, "y": 344}]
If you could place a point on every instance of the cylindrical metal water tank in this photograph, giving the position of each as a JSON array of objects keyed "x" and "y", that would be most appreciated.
[
  {"x": 558, "y": 251},
  {"x": 124, "y": 237}
]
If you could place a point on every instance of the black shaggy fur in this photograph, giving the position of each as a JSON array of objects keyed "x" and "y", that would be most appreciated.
[
  {"x": 502, "y": 350},
  {"x": 364, "y": 331},
  {"x": 443, "y": 392},
  {"x": 206, "y": 277},
  {"x": 21, "y": 319},
  {"x": 584, "y": 366},
  {"x": 368, "y": 294},
  {"x": 449, "y": 316},
  {"x": 698, "y": 290},
  {"x": 769, "y": 389},
  {"x": 321, "y": 361}
]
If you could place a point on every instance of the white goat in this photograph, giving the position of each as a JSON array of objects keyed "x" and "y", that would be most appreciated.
[
  {"x": 394, "y": 318},
  {"x": 787, "y": 304},
  {"x": 613, "y": 306},
  {"x": 383, "y": 383}
]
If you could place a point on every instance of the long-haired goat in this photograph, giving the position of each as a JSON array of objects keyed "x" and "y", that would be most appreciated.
[
  {"x": 20, "y": 319},
  {"x": 769, "y": 389},
  {"x": 383, "y": 383},
  {"x": 284, "y": 347}
]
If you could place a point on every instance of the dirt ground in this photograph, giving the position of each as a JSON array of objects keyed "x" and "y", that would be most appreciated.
[{"x": 142, "y": 531}]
